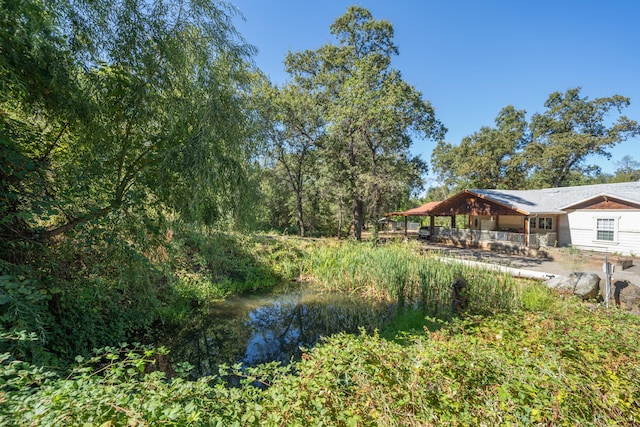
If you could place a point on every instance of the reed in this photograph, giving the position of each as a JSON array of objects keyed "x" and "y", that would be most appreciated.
[{"x": 402, "y": 274}]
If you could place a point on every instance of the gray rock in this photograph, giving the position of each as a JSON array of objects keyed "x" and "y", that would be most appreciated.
[
  {"x": 583, "y": 285},
  {"x": 626, "y": 295}
]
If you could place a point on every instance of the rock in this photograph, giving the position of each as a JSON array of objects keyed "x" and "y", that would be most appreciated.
[
  {"x": 583, "y": 285},
  {"x": 626, "y": 295}
]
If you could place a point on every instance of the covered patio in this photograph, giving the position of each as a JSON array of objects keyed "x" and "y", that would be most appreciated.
[
  {"x": 487, "y": 222},
  {"x": 490, "y": 223},
  {"x": 421, "y": 211}
]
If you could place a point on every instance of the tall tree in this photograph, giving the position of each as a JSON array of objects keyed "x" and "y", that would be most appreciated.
[
  {"x": 295, "y": 128},
  {"x": 490, "y": 158},
  {"x": 551, "y": 150},
  {"x": 370, "y": 111},
  {"x": 571, "y": 129},
  {"x": 112, "y": 107}
]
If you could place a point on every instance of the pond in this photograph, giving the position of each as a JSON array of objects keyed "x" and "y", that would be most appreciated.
[{"x": 256, "y": 329}]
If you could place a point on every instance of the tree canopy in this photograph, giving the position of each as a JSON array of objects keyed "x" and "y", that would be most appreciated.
[
  {"x": 113, "y": 107},
  {"x": 370, "y": 113},
  {"x": 550, "y": 150}
]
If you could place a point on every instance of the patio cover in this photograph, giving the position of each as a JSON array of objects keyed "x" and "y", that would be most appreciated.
[
  {"x": 471, "y": 202},
  {"x": 424, "y": 210}
]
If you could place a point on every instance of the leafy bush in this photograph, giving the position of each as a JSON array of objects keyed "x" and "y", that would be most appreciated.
[{"x": 567, "y": 366}]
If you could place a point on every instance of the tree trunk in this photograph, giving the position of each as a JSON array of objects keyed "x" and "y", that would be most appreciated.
[
  {"x": 377, "y": 208},
  {"x": 340, "y": 216},
  {"x": 300, "y": 213},
  {"x": 314, "y": 214},
  {"x": 358, "y": 220}
]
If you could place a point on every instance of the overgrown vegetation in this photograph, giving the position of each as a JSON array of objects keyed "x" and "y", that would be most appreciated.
[
  {"x": 129, "y": 128},
  {"x": 521, "y": 355},
  {"x": 79, "y": 299},
  {"x": 565, "y": 365},
  {"x": 404, "y": 276}
]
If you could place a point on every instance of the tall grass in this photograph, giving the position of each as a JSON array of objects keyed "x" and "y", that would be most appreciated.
[{"x": 400, "y": 273}]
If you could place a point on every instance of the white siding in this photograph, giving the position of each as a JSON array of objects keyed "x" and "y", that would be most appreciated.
[
  {"x": 564, "y": 231},
  {"x": 582, "y": 232}
]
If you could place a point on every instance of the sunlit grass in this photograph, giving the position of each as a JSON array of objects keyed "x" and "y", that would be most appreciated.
[{"x": 401, "y": 273}]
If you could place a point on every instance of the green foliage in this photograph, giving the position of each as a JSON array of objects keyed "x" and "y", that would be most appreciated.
[
  {"x": 113, "y": 116},
  {"x": 538, "y": 297},
  {"x": 204, "y": 265},
  {"x": 490, "y": 158},
  {"x": 627, "y": 170},
  {"x": 294, "y": 130},
  {"x": 120, "y": 108},
  {"x": 567, "y": 366},
  {"x": 400, "y": 273},
  {"x": 550, "y": 150},
  {"x": 368, "y": 116}
]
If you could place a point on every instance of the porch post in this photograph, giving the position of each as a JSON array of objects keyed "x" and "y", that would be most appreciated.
[
  {"x": 526, "y": 231},
  {"x": 453, "y": 221},
  {"x": 432, "y": 227},
  {"x": 406, "y": 218}
]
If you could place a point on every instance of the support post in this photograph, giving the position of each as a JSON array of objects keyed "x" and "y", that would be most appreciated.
[
  {"x": 406, "y": 219},
  {"x": 432, "y": 228}
]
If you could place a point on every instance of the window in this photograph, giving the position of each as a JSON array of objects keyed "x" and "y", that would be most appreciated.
[
  {"x": 542, "y": 223},
  {"x": 605, "y": 229}
]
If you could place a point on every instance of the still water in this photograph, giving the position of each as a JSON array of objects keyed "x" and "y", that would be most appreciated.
[{"x": 256, "y": 329}]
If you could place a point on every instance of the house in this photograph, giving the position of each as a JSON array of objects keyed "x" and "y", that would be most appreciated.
[{"x": 602, "y": 217}]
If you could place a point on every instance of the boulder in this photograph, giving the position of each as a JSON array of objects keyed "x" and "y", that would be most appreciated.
[
  {"x": 626, "y": 295},
  {"x": 583, "y": 285}
]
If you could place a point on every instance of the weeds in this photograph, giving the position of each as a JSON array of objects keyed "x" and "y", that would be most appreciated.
[
  {"x": 568, "y": 366},
  {"x": 520, "y": 356}
]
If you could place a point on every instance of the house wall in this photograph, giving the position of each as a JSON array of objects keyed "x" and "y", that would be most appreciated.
[
  {"x": 502, "y": 222},
  {"x": 564, "y": 231},
  {"x": 511, "y": 222},
  {"x": 583, "y": 234}
]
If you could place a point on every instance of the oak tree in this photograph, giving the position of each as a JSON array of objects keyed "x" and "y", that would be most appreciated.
[
  {"x": 372, "y": 114},
  {"x": 572, "y": 129}
]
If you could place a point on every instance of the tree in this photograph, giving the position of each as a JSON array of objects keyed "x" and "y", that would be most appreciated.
[
  {"x": 572, "y": 129},
  {"x": 119, "y": 108},
  {"x": 490, "y": 158},
  {"x": 628, "y": 170},
  {"x": 371, "y": 113},
  {"x": 550, "y": 150},
  {"x": 294, "y": 128}
]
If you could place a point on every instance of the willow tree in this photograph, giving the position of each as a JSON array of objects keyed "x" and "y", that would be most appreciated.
[
  {"x": 371, "y": 112},
  {"x": 111, "y": 108}
]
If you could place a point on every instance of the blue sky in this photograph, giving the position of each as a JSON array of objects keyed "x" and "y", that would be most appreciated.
[{"x": 471, "y": 58}]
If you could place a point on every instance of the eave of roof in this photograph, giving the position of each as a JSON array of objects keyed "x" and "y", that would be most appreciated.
[
  {"x": 557, "y": 200},
  {"x": 423, "y": 210},
  {"x": 604, "y": 196}
]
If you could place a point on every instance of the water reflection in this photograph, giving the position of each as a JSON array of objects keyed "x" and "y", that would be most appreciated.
[{"x": 262, "y": 328}]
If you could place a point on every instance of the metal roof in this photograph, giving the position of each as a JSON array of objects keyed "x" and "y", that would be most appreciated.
[{"x": 555, "y": 200}]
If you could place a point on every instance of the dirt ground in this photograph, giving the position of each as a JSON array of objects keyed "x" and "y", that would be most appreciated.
[{"x": 559, "y": 261}]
